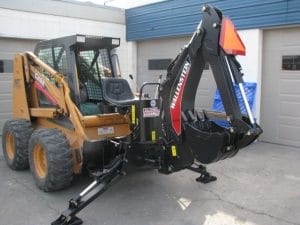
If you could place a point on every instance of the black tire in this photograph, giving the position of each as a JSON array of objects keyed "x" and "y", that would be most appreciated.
[
  {"x": 58, "y": 156},
  {"x": 15, "y": 139}
]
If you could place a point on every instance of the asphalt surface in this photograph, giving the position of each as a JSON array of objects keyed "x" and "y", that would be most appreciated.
[{"x": 260, "y": 186}]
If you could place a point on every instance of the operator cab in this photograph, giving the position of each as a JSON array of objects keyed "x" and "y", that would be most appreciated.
[{"x": 91, "y": 69}]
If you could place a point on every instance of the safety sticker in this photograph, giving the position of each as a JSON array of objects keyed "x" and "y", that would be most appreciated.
[
  {"x": 133, "y": 114},
  {"x": 153, "y": 136},
  {"x": 174, "y": 151},
  {"x": 105, "y": 130},
  {"x": 151, "y": 112}
]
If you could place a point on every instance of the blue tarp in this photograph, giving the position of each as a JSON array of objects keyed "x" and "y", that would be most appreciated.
[{"x": 250, "y": 89}]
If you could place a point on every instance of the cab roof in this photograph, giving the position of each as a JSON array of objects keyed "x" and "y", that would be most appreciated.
[{"x": 80, "y": 42}]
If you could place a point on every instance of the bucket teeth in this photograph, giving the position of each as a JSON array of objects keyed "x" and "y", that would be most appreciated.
[{"x": 211, "y": 137}]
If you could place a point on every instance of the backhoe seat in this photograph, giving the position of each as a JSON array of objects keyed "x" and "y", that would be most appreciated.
[{"x": 117, "y": 92}]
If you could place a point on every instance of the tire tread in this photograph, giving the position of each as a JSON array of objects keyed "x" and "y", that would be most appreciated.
[
  {"x": 59, "y": 159},
  {"x": 21, "y": 130}
]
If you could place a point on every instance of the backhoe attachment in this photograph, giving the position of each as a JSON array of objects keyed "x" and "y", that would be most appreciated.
[
  {"x": 194, "y": 135},
  {"x": 167, "y": 131}
]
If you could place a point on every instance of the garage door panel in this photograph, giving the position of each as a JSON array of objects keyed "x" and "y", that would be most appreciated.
[
  {"x": 268, "y": 91},
  {"x": 268, "y": 116},
  {"x": 3, "y": 119},
  {"x": 290, "y": 121},
  {"x": 6, "y": 76},
  {"x": 289, "y": 133},
  {"x": 275, "y": 38},
  {"x": 289, "y": 98},
  {"x": 276, "y": 60},
  {"x": 291, "y": 38},
  {"x": 290, "y": 109},
  {"x": 290, "y": 86},
  {"x": 280, "y": 111},
  {"x": 5, "y": 115},
  {"x": 6, "y": 107},
  {"x": 202, "y": 102},
  {"x": 5, "y": 87},
  {"x": 9, "y": 47},
  {"x": 168, "y": 49},
  {"x": 204, "y": 92}
]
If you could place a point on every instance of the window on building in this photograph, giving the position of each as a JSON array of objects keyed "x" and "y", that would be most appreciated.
[
  {"x": 162, "y": 64},
  {"x": 291, "y": 62},
  {"x": 158, "y": 64},
  {"x": 6, "y": 66}
]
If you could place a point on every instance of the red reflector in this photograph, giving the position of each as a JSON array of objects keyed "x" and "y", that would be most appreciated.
[{"x": 230, "y": 40}]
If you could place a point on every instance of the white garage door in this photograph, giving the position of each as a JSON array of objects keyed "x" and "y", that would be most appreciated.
[
  {"x": 8, "y": 47},
  {"x": 159, "y": 52},
  {"x": 280, "y": 115}
]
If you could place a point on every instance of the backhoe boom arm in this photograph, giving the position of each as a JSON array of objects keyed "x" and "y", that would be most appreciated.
[{"x": 193, "y": 136}]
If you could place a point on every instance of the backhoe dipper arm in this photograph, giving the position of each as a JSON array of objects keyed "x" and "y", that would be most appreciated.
[{"x": 215, "y": 42}]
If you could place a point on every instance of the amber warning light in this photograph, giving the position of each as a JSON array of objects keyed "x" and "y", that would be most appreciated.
[{"x": 230, "y": 40}]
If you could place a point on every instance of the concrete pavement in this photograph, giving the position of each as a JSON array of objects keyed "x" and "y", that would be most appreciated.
[{"x": 260, "y": 186}]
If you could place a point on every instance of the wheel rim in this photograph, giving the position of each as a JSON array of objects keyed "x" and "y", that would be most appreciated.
[
  {"x": 10, "y": 147},
  {"x": 40, "y": 161}
]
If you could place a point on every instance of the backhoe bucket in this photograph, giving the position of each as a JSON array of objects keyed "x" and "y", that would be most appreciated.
[{"x": 210, "y": 142}]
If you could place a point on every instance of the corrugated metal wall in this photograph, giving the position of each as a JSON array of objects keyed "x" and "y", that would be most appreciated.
[{"x": 178, "y": 17}]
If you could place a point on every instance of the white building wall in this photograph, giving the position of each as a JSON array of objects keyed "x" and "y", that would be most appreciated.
[
  {"x": 252, "y": 62},
  {"x": 132, "y": 64},
  {"x": 29, "y": 25},
  {"x": 33, "y": 25},
  {"x": 24, "y": 23}
]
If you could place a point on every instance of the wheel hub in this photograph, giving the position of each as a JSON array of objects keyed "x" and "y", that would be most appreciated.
[
  {"x": 10, "y": 148},
  {"x": 40, "y": 161}
]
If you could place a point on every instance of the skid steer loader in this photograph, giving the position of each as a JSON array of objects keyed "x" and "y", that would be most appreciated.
[{"x": 72, "y": 110}]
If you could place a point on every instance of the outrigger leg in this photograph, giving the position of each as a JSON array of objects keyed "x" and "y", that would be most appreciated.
[
  {"x": 205, "y": 177},
  {"x": 90, "y": 193}
]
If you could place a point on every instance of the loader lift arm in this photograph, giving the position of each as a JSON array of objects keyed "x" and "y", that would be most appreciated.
[{"x": 187, "y": 136}]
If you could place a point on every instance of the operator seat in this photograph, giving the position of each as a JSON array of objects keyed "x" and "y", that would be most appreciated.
[
  {"x": 117, "y": 92},
  {"x": 87, "y": 107}
]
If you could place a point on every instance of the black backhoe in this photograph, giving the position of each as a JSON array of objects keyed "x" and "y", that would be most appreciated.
[{"x": 167, "y": 132}]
